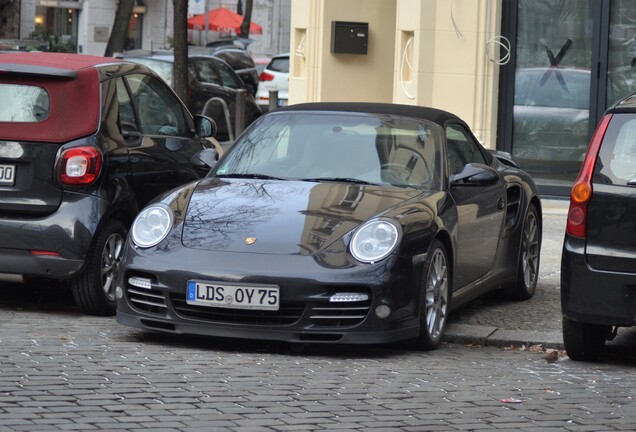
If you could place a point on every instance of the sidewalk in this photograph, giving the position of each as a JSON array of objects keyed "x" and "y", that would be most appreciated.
[{"x": 493, "y": 321}]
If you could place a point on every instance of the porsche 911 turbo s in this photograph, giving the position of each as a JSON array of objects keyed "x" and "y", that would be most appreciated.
[{"x": 335, "y": 223}]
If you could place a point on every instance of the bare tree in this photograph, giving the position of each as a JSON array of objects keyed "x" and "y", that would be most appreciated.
[
  {"x": 117, "y": 39},
  {"x": 180, "y": 30},
  {"x": 247, "y": 19}
]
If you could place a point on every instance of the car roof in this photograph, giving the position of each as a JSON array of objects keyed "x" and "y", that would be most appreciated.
[
  {"x": 60, "y": 61},
  {"x": 165, "y": 55},
  {"x": 627, "y": 104},
  {"x": 432, "y": 114}
]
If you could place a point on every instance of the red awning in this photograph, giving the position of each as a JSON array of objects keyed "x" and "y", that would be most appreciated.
[{"x": 222, "y": 20}]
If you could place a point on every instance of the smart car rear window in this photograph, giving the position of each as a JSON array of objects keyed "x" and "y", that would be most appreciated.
[
  {"x": 616, "y": 162},
  {"x": 23, "y": 103}
]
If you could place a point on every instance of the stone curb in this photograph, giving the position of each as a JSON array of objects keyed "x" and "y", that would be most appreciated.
[{"x": 494, "y": 336}]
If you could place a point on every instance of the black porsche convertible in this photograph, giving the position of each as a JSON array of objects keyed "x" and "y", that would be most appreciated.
[{"x": 335, "y": 223}]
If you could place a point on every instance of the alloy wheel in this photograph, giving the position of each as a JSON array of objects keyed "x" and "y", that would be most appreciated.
[
  {"x": 437, "y": 295},
  {"x": 530, "y": 249},
  {"x": 111, "y": 257}
]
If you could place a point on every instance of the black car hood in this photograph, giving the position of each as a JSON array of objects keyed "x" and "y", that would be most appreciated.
[{"x": 281, "y": 217}]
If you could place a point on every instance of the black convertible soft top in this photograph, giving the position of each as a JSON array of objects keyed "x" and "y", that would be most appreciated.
[{"x": 435, "y": 115}]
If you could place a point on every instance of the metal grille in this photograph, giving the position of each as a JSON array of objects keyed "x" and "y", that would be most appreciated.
[{"x": 289, "y": 313}]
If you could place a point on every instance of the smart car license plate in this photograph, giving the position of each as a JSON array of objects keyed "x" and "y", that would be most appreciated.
[
  {"x": 258, "y": 297},
  {"x": 7, "y": 175}
]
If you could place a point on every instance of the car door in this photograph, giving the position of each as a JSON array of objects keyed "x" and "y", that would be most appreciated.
[
  {"x": 480, "y": 208},
  {"x": 159, "y": 134}
]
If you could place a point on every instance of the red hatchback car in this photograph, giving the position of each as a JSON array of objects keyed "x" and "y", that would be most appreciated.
[{"x": 85, "y": 142}]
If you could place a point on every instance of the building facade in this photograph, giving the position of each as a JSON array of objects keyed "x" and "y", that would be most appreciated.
[{"x": 84, "y": 25}]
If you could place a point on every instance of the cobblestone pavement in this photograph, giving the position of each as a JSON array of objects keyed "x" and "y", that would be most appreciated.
[{"x": 60, "y": 370}]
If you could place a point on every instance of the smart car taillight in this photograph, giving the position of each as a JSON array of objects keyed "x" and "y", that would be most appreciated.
[
  {"x": 79, "y": 166},
  {"x": 582, "y": 190},
  {"x": 266, "y": 76}
]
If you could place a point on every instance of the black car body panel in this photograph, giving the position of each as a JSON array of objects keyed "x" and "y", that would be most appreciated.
[
  {"x": 294, "y": 231},
  {"x": 48, "y": 227}
]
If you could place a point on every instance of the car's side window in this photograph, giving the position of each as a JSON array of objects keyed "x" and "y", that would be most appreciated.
[
  {"x": 616, "y": 162},
  {"x": 207, "y": 72},
  {"x": 228, "y": 77},
  {"x": 462, "y": 149},
  {"x": 160, "y": 112}
]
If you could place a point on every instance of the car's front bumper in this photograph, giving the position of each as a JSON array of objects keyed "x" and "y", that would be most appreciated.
[
  {"x": 595, "y": 296},
  {"x": 305, "y": 314}
]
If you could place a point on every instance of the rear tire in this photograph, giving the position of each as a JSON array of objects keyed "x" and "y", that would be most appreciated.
[
  {"x": 94, "y": 288},
  {"x": 528, "y": 261},
  {"x": 584, "y": 341},
  {"x": 435, "y": 295}
]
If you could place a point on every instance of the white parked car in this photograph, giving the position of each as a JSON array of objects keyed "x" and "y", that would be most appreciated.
[{"x": 274, "y": 77}]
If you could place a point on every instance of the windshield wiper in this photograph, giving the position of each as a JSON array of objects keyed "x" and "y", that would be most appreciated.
[
  {"x": 249, "y": 176},
  {"x": 339, "y": 179}
]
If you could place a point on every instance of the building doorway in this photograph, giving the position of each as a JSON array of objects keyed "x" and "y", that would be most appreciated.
[{"x": 571, "y": 59}]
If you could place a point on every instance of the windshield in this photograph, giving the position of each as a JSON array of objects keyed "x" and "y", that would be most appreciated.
[{"x": 349, "y": 147}]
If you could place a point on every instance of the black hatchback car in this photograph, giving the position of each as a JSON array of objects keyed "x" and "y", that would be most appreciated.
[
  {"x": 598, "y": 268},
  {"x": 85, "y": 142}
]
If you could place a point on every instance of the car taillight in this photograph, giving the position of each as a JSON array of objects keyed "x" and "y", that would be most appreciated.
[
  {"x": 582, "y": 190},
  {"x": 264, "y": 76},
  {"x": 79, "y": 166}
]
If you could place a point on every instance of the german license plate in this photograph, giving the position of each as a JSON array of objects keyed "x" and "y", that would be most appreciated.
[
  {"x": 7, "y": 175},
  {"x": 233, "y": 296}
]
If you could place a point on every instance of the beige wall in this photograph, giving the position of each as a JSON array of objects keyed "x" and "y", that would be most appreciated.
[
  {"x": 421, "y": 52},
  {"x": 318, "y": 75}
]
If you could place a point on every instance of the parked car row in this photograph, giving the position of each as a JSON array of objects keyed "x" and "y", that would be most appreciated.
[
  {"x": 350, "y": 223},
  {"x": 327, "y": 222}
]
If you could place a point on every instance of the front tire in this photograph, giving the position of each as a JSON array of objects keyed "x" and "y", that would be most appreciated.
[
  {"x": 94, "y": 288},
  {"x": 528, "y": 261},
  {"x": 435, "y": 295},
  {"x": 584, "y": 341}
]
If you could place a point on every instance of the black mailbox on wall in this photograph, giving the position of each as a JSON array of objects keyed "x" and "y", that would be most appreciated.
[{"x": 349, "y": 37}]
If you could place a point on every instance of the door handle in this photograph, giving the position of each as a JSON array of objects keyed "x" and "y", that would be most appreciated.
[{"x": 500, "y": 204}]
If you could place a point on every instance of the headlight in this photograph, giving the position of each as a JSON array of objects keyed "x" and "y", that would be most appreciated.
[
  {"x": 374, "y": 240},
  {"x": 152, "y": 225}
]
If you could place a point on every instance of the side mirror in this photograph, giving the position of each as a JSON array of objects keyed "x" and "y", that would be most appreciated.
[
  {"x": 475, "y": 175},
  {"x": 204, "y": 159},
  {"x": 204, "y": 126}
]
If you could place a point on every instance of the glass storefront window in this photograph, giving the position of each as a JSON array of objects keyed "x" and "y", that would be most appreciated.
[
  {"x": 57, "y": 26},
  {"x": 552, "y": 88},
  {"x": 621, "y": 58}
]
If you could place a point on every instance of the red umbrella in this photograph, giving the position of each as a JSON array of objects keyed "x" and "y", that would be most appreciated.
[{"x": 222, "y": 20}]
